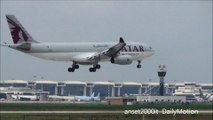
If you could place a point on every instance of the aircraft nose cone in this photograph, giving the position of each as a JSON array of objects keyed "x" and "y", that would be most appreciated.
[{"x": 151, "y": 51}]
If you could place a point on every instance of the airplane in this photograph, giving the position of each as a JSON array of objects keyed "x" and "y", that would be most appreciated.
[
  {"x": 88, "y": 98},
  {"x": 205, "y": 97},
  {"x": 25, "y": 97},
  {"x": 120, "y": 53},
  {"x": 61, "y": 98}
]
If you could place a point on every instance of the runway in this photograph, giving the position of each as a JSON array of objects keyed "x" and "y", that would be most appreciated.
[
  {"x": 46, "y": 112},
  {"x": 76, "y": 112}
]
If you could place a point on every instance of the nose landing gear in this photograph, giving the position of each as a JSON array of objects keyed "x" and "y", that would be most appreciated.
[{"x": 139, "y": 64}]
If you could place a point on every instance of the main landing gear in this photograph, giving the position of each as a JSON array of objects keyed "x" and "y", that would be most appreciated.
[
  {"x": 74, "y": 66},
  {"x": 139, "y": 64},
  {"x": 93, "y": 69}
]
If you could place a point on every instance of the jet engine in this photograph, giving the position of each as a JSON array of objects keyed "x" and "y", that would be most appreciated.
[{"x": 122, "y": 60}]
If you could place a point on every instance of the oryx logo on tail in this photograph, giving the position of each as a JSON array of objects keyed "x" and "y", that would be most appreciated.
[{"x": 18, "y": 32}]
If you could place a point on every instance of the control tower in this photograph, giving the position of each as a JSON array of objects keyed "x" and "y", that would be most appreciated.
[{"x": 161, "y": 74}]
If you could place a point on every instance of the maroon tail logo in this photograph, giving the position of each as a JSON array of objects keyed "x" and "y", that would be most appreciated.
[{"x": 16, "y": 31}]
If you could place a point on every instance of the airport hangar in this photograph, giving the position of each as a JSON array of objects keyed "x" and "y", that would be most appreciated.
[{"x": 106, "y": 89}]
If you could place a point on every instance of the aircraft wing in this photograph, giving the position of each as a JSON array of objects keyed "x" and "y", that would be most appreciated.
[
  {"x": 95, "y": 57},
  {"x": 111, "y": 52}
]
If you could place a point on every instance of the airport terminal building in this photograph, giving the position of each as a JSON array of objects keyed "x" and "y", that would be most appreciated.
[
  {"x": 107, "y": 88},
  {"x": 72, "y": 88}
]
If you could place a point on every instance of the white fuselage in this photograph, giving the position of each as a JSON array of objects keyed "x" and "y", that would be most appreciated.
[
  {"x": 80, "y": 51},
  {"x": 86, "y": 98},
  {"x": 120, "y": 53}
]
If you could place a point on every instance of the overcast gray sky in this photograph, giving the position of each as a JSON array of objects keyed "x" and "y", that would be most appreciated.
[{"x": 179, "y": 31}]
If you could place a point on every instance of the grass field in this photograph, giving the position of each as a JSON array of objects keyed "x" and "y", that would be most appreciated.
[{"x": 96, "y": 106}]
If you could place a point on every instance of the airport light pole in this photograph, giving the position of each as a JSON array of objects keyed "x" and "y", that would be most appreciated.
[
  {"x": 150, "y": 88},
  {"x": 162, "y": 73}
]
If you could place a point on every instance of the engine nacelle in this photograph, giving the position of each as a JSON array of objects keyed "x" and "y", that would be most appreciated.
[{"x": 122, "y": 60}]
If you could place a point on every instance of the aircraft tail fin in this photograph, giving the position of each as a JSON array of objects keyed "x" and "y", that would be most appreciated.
[
  {"x": 98, "y": 95},
  {"x": 18, "y": 32},
  {"x": 93, "y": 95},
  {"x": 201, "y": 93}
]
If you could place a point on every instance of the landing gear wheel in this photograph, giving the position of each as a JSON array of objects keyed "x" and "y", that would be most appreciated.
[
  {"x": 138, "y": 66},
  {"x": 92, "y": 69},
  {"x": 98, "y": 66},
  {"x": 71, "y": 69},
  {"x": 76, "y": 66}
]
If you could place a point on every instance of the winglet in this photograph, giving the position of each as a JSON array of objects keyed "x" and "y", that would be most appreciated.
[{"x": 121, "y": 40}]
